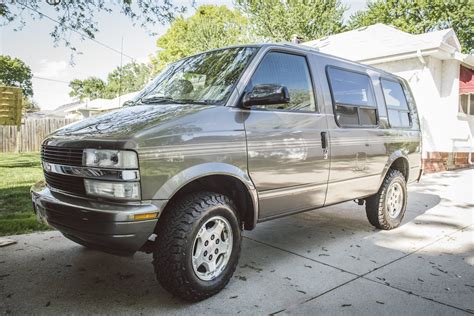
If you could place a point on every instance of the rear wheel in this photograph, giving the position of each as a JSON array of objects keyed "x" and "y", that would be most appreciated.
[
  {"x": 197, "y": 246},
  {"x": 385, "y": 210}
]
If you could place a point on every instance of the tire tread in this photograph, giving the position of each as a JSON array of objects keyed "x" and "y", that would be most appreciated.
[{"x": 174, "y": 228}]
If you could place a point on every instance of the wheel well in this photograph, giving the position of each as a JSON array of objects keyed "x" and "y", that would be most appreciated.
[
  {"x": 401, "y": 164},
  {"x": 223, "y": 184}
]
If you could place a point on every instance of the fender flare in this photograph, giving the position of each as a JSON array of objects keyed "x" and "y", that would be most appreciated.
[
  {"x": 394, "y": 156},
  {"x": 186, "y": 176}
]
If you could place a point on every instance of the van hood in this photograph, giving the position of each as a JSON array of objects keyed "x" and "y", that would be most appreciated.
[{"x": 126, "y": 122}]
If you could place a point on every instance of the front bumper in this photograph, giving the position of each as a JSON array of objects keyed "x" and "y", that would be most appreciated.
[{"x": 106, "y": 226}]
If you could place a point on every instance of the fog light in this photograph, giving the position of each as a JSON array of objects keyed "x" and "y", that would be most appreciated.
[{"x": 113, "y": 190}]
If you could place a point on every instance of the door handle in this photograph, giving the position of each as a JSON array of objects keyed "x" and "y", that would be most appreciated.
[
  {"x": 324, "y": 140},
  {"x": 324, "y": 144}
]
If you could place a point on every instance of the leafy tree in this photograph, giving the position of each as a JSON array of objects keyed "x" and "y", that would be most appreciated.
[
  {"x": 79, "y": 16},
  {"x": 421, "y": 16},
  {"x": 278, "y": 20},
  {"x": 210, "y": 27},
  {"x": 129, "y": 78},
  {"x": 14, "y": 72},
  {"x": 91, "y": 88}
]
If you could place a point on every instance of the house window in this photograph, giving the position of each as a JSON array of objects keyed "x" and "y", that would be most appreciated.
[
  {"x": 466, "y": 104},
  {"x": 397, "y": 105},
  {"x": 353, "y": 98}
]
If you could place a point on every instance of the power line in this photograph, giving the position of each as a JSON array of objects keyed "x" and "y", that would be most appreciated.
[
  {"x": 49, "y": 79},
  {"x": 78, "y": 32}
]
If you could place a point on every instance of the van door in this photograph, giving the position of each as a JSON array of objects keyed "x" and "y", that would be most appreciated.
[
  {"x": 352, "y": 99},
  {"x": 285, "y": 155}
]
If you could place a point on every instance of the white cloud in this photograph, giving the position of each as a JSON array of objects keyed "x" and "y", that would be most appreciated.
[{"x": 51, "y": 69}]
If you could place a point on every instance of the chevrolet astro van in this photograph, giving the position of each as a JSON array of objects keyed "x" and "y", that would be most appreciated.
[{"x": 221, "y": 141}]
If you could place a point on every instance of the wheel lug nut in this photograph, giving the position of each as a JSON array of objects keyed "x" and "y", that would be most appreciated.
[
  {"x": 205, "y": 253},
  {"x": 217, "y": 240},
  {"x": 212, "y": 237},
  {"x": 210, "y": 257},
  {"x": 216, "y": 251},
  {"x": 206, "y": 243}
]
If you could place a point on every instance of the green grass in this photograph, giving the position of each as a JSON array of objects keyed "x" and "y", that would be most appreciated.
[{"x": 18, "y": 172}]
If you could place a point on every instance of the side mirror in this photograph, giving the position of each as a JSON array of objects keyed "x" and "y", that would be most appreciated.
[{"x": 265, "y": 94}]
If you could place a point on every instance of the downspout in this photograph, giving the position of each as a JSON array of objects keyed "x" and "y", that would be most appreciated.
[
  {"x": 420, "y": 58},
  {"x": 469, "y": 156}
]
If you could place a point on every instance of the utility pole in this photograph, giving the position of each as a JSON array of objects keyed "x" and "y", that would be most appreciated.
[{"x": 120, "y": 75}]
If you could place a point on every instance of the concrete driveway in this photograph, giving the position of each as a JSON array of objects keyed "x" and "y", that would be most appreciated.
[{"x": 328, "y": 261}]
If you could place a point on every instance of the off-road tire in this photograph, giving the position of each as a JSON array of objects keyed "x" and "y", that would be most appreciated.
[
  {"x": 177, "y": 228},
  {"x": 376, "y": 206}
]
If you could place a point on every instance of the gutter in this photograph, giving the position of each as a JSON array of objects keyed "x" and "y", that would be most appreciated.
[{"x": 414, "y": 54}]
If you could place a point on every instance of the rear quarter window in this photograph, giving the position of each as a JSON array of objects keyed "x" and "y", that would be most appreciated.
[{"x": 399, "y": 115}]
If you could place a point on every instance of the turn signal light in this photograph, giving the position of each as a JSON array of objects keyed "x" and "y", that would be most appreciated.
[{"x": 141, "y": 217}]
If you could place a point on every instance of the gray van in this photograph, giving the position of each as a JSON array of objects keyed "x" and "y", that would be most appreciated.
[{"x": 221, "y": 141}]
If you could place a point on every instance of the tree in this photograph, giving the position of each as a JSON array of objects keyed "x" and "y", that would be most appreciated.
[
  {"x": 278, "y": 20},
  {"x": 421, "y": 16},
  {"x": 91, "y": 88},
  {"x": 14, "y": 72},
  {"x": 79, "y": 16},
  {"x": 210, "y": 27},
  {"x": 129, "y": 78}
]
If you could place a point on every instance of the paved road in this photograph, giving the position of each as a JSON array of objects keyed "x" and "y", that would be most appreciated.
[{"x": 328, "y": 261}]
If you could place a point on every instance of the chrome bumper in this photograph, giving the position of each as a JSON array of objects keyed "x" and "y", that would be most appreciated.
[{"x": 107, "y": 226}]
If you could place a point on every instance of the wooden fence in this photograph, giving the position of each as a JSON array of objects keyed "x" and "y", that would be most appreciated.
[{"x": 32, "y": 133}]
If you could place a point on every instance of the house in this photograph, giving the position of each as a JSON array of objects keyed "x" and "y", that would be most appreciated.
[
  {"x": 440, "y": 76},
  {"x": 89, "y": 108}
]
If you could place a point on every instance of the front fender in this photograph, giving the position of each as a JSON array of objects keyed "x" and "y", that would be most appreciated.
[{"x": 178, "y": 181}]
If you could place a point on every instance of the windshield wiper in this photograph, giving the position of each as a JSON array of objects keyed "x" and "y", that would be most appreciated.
[
  {"x": 183, "y": 101},
  {"x": 164, "y": 99},
  {"x": 156, "y": 99}
]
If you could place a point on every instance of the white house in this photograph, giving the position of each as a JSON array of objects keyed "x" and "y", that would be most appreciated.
[
  {"x": 88, "y": 108},
  {"x": 440, "y": 76}
]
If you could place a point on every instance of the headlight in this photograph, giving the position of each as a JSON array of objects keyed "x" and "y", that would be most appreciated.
[
  {"x": 113, "y": 190},
  {"x": 122, "y": 159}
]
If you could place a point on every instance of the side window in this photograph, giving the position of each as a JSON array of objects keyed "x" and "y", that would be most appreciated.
[
  {"x": 353, "y": 98},
  {"x": 290, "y": 71},
  {"x": 397, "y": 105}
]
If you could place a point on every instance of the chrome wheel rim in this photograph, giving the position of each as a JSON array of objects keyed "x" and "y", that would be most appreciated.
[
  {"x": 212, "y": 248},
  {"x": 394, "y": 200}
]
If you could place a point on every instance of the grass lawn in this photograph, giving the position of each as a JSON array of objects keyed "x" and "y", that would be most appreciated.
[{"x": 18, "y": 172}]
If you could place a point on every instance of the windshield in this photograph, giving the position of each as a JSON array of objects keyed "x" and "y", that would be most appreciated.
[{"x": 206, "y": 78}]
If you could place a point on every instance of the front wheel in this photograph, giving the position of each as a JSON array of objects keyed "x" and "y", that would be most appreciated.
[
  {"x": 385, "y": 209},
  {"x": 197, "y": 246}
]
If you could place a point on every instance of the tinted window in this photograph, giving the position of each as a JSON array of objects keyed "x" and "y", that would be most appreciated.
[
  {"x": 353, "y": 98},
  {"x": 394, "y": 96},
  {"x": 351, "y": 88},
  {"x": 290, "y": 71},
  {"x": 397, "y": 105}
]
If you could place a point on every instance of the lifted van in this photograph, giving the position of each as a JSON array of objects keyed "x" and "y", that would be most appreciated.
[{"x": 221, "y": 141}]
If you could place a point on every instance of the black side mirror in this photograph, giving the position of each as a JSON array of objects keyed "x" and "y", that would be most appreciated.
[{"x": 265, "y": 94}]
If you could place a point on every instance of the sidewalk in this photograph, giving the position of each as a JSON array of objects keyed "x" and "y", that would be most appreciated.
[{"x": 328, "y": 261}]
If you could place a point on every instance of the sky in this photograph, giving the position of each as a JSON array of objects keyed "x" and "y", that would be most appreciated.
[{"x": 51, "y": 66}]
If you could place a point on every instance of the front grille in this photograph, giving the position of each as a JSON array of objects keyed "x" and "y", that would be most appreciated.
[
  {"x": 62, "y": 155},
  {"x": 70, "y": 184}
]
